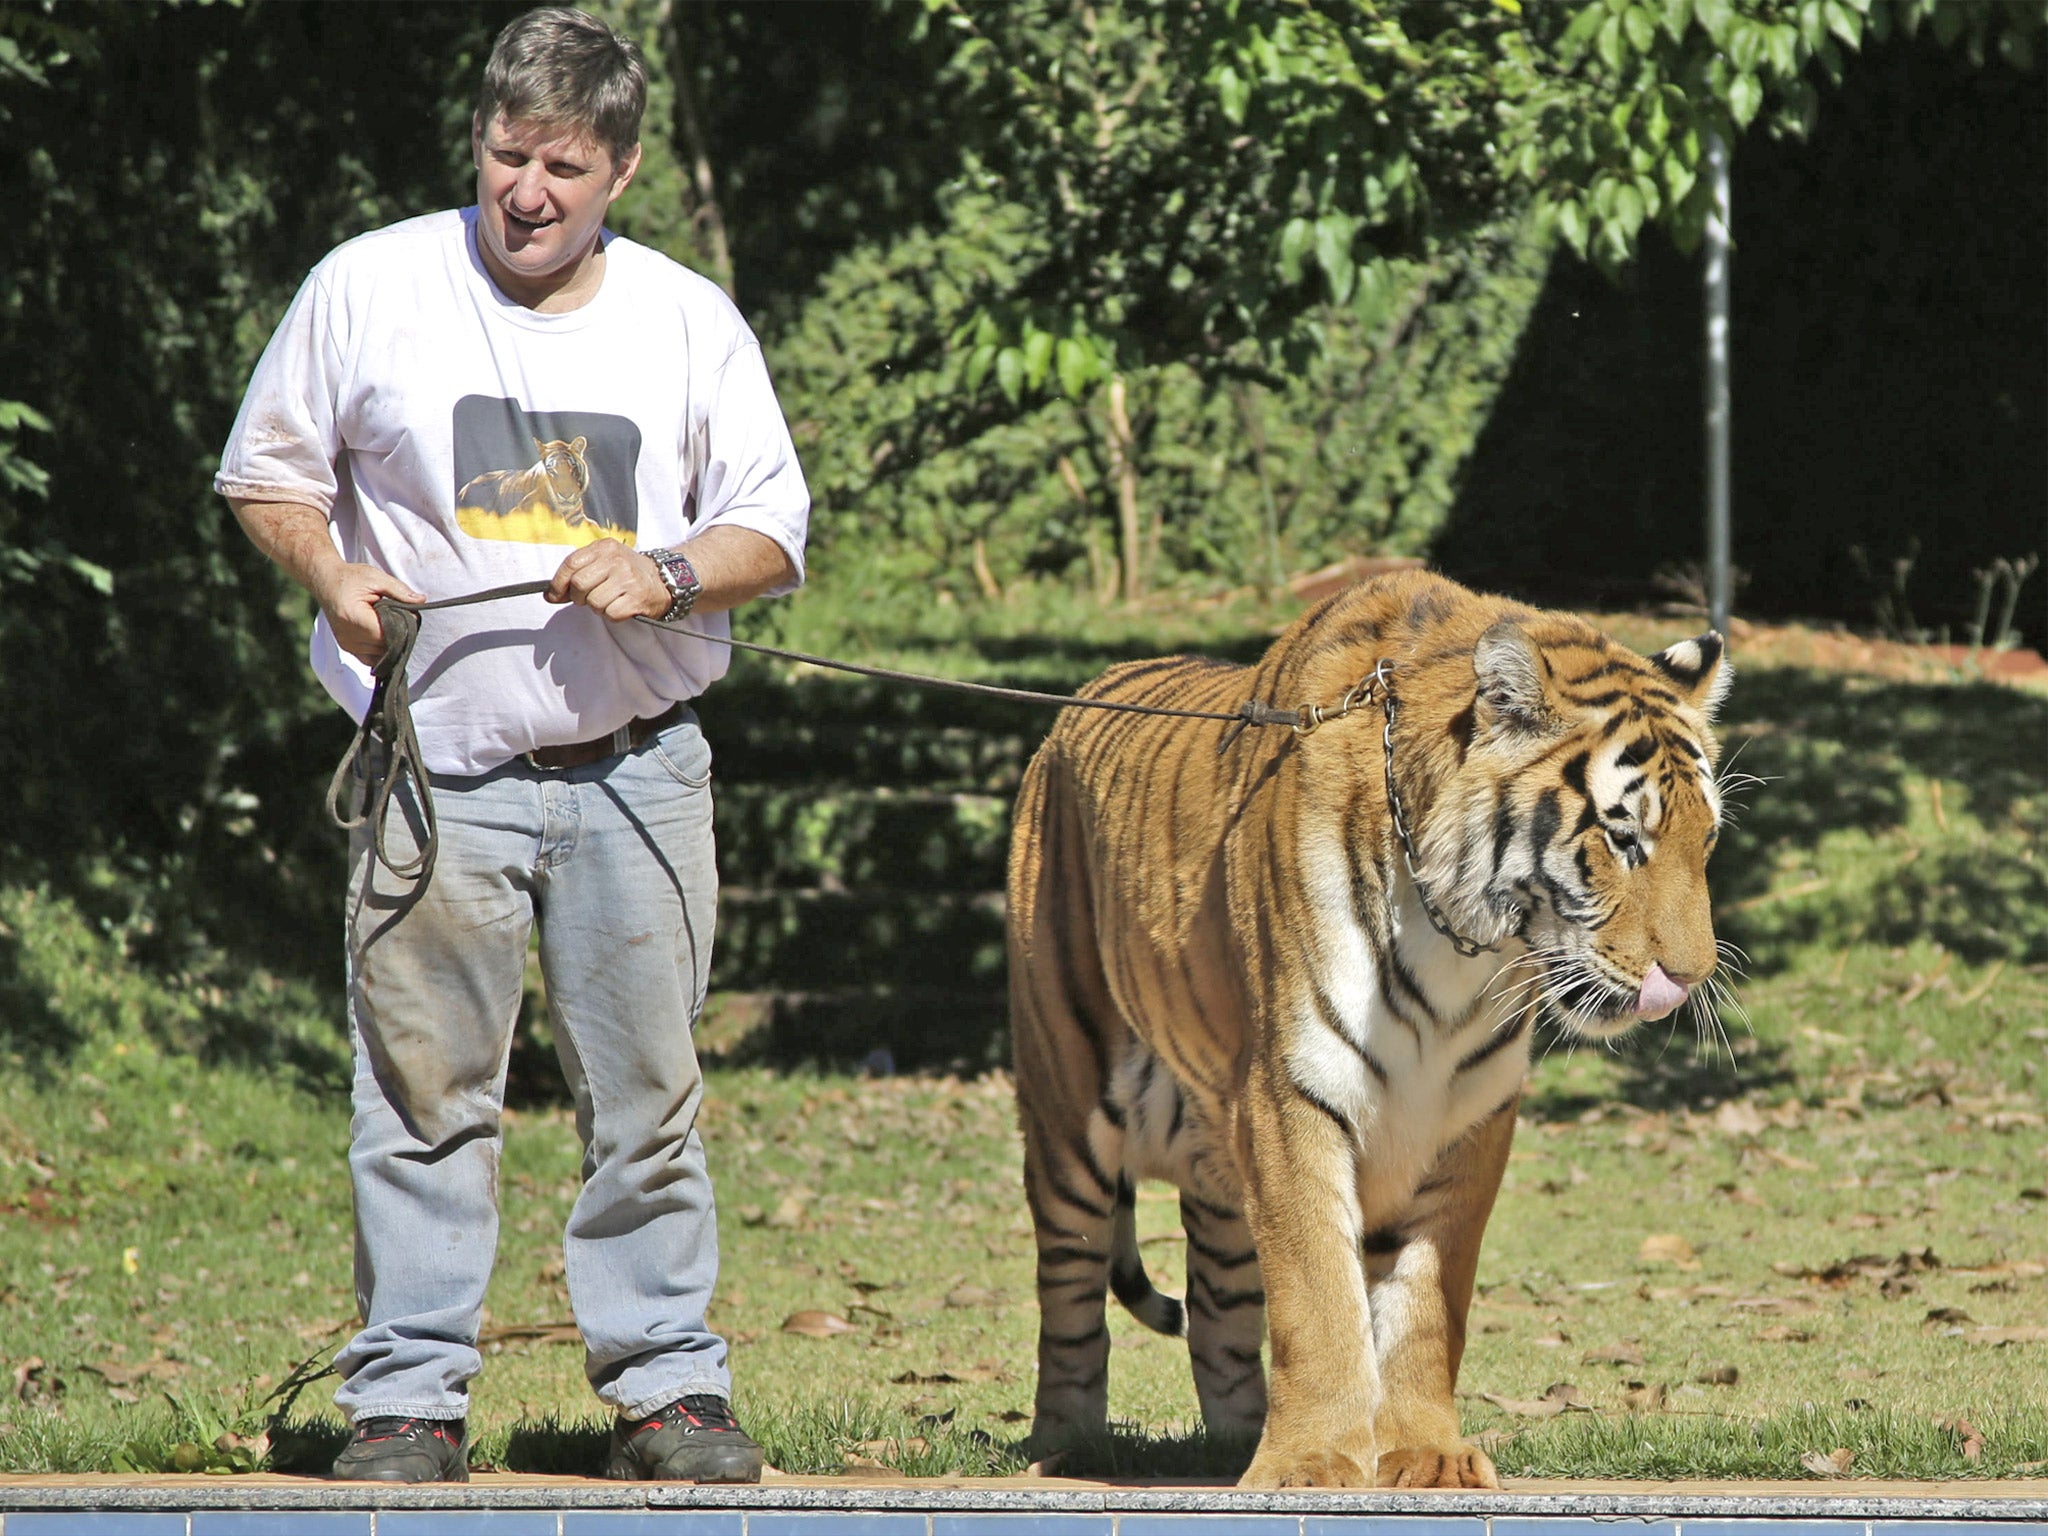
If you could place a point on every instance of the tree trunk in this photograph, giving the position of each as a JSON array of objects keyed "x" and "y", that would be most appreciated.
[
  {"x": 1123, "y": 469},
  {"x": 706, "y": 215}
]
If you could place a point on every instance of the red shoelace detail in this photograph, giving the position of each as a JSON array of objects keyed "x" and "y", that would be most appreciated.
[
  {"x": 714, "y": 1419},
  {"x": 435, "y": 1427}
]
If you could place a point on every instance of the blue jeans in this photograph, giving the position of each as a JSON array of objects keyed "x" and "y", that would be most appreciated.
[{"x": 615, "y": 862}]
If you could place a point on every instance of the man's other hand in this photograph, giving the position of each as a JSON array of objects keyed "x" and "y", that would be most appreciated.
[
  {"x": 617, "y": 582},
  {"x": 348, "y": 595}
]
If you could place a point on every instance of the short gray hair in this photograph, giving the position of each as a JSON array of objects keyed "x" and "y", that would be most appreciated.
[{"x": 569, "y": 71}]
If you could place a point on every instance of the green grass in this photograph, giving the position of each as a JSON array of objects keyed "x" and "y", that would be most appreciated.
[{"x": 174, "y": 1209}]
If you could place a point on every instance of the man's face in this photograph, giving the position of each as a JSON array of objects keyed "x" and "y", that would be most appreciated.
[{"x": 541, "y": 196}]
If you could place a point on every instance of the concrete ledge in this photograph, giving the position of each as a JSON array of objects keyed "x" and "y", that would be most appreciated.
[{"x": 823, "y": 1506}]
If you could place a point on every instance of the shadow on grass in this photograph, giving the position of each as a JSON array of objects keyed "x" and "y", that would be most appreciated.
[
  {"x": 1838, "y": 752},
  {"x": 1671, "y": 1071}
]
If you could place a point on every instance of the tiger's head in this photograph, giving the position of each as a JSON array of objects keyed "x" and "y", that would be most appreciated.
[
  {"x": 567, "y": 475},
  {"x": 1586, "y": 793}
]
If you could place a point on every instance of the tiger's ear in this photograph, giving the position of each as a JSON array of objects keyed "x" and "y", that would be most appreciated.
[
  {"x": 1699, "y": 670},
  {"x": 1510, "y": 671},
  {"x": 579, "y": 445}
]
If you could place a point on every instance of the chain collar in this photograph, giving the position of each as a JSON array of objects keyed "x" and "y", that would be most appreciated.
[{"x": 1378, "y": 684}]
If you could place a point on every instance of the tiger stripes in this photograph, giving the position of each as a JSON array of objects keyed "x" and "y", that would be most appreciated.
[{"x": 1223, "y": 975}]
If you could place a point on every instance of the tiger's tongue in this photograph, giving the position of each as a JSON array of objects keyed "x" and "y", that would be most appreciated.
[{"x": 1660, "y": 994}]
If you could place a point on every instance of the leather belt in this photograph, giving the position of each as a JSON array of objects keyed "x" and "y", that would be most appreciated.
[{"x": 579, "y": 754}]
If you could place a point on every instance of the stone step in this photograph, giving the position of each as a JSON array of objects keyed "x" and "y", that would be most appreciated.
[
  {"x": 800, "y": 941},
  {"x": 833, "y": 751},
  {"x": 880, "y": 1030},
  {"x": 789, "y": 836}
]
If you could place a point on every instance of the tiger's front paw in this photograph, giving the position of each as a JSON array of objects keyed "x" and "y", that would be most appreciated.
[
  {"x": 1311, "y": 1469},
  {"x": 1428, "y": 1466}
]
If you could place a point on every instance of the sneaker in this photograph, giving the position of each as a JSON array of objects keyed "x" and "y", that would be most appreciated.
[
  {"x": 692, "y": 1440},
  {"x": 405, "y": 1450}
]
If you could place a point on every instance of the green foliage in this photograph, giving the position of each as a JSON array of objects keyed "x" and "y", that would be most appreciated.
[
  {"x": 159, "y": 235},
  {"x": 911, "y": 465}
]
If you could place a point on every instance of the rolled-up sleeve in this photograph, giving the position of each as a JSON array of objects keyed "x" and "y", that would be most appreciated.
[
  {"x": 749, "y": 476},
  {"x": 285, "y": 443}
]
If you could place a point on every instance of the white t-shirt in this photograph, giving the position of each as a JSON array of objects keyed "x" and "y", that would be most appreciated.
[{"x": 460, "y": 441}]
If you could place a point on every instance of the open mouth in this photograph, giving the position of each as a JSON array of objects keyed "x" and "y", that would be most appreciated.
[{"x": 526, "y": 226}]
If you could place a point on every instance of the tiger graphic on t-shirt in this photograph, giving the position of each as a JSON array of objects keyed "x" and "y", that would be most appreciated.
[{"x": 541, "y": 504}]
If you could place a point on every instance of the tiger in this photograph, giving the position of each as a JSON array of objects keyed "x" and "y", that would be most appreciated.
[
  {"x": 1296, "y": 974},
  {"x": 543, "y": 503}
]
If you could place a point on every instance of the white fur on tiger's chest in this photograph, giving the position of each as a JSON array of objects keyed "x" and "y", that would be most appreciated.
[{"x": 1366, "y": 1047}]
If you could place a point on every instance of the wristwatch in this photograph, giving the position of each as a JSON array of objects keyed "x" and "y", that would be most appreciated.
[{"x": 680, "y": 577}]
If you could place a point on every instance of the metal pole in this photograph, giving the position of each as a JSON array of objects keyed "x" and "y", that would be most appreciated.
[{"x": 1719, "y": 593}]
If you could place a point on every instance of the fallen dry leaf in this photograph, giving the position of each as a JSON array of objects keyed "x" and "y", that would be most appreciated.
[
  {"x": 789, "y": 1210},
  {"x": 1774, "y": 1306},
  {"x": 2003, "y": 1336},
  {"x": 1010, "y": 1416},
  {"x": 970, "y": 1296},
  {"x": 1667, "y": 1248},
  {"x": 1685, "y": 1295},
  {"x": 1955, "y": 1316},
  {"x": 1782, "y": 1333},
  {"x": 1721, "y": 1375},
  {"x": 1969, "y": 1440},
  {"x": 852, "y": 1461},
  {"x": 1786, "y": 1160},
  {"x": 1834, "y": 1463},
  {"x": 1739, "y": 1118},
  {"x": 1643, "y": 1397},
  {"x": 1560, "y": 1397},
  {"x": 1556, "y": 1340},
  {"x": 1626, "y": 1353},
  {"x": 2017, "y": 1269},
  {"x": 813, "y": 1324},
  {"x": 925, "y": 1379}
]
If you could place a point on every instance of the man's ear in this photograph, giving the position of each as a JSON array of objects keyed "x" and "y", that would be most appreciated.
[
  {"x": 1509, "y": 671},
  {"x": 622, "y": 173},
  {"x": 1699, "y": 669}
]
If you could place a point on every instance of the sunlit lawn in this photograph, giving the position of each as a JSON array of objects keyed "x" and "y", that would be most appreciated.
[{"x": 1829, "y": 1235}]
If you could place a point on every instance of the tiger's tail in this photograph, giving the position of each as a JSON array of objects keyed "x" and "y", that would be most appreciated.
[{"x": 1127, "y": 1277}]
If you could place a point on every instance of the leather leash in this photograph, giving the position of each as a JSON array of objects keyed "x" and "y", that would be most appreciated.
[{"x": 387, "y": 724}]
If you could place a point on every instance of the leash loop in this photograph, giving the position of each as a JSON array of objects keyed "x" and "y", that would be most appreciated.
[{"x": 385, "y": 751}]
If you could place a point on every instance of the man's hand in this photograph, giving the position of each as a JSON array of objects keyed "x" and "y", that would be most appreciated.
[
  {"x": 296, "y": 537},
  {"x": 348, "y": 595},
  {"x": 617, "y": 582}
]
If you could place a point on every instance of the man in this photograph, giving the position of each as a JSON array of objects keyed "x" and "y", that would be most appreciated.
[{"x": 473, "y": 399}]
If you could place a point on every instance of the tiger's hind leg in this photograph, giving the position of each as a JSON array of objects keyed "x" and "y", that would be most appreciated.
[
  {"x": 1226, "y": 1312},
  {"x": 1071, "y": 1162},
  {"x": 1066, "y": 1036}
]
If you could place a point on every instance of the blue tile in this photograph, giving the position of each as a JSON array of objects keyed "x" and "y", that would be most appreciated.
[
  {"x": 1017, "y": 1525},
  {"x": 845, "y": 1523},
  {"x": 651, "y": 1522},
  {"x": 280, "y": 1522},
  {"x": 1396, "y": 1525},
  {"x": 1796, "y": 1526},
  {"x": 1579, "y": 1525},
  {"x": 1951, "y": 1527},
  {"x": 94, "y": 1522},
  {"x": 1224, "y": 1525},
  {"x": 468, "y": 1522}
]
